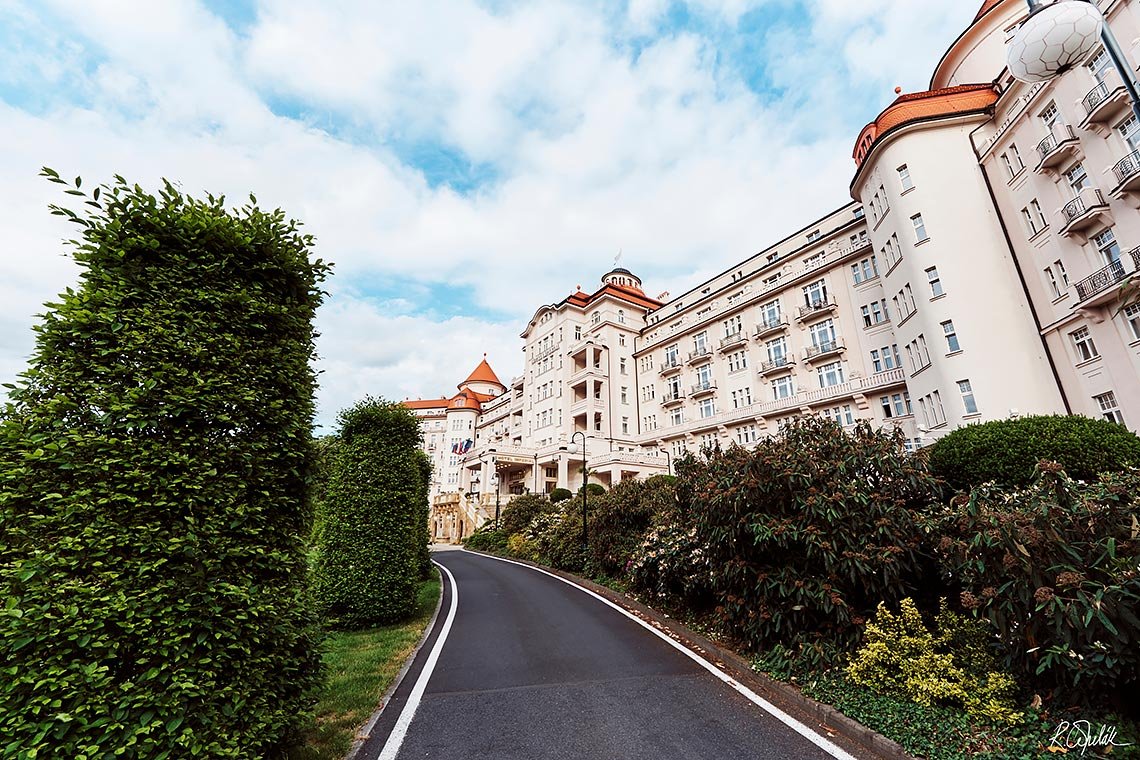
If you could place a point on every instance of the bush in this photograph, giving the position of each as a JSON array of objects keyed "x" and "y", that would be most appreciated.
[
  {"x": 1054, "y": 569},
  {"x": 560, "y": 494},
  {"x": 593, "y": 489},
  {"x": 954, "y": 665},
  {"x": 619, "y": 520},
  {"x": 672, "y": 565},
  {"x": 369, "y": 557},
  {"x": 155, "y": 465},
  {"x": 1007, "y": 451},
  {"x": 808, "y": 531},
  {"x": 487, "y": 539},
  {"x": 422, "y": 526},
  {"x": 521, "y": 511}
]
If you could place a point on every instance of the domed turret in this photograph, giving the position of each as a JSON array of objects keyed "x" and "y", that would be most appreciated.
[{"x": 623, "y": 278}]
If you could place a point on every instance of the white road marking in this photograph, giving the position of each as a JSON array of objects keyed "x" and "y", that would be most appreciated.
[
  {"x": 400, "y": 730},
  {"x": 804, "y": 731}
]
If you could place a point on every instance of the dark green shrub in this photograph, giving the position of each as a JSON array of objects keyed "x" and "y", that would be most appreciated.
[
  {"x": 369, "y": 559},
  {"x": 809, "y": 531},
  {"x": 592, "y": 489},
  {"x": 487, "y": 539},
  {"x": 1054, "y": 569},
  {"x": 155, "y": 468},
  {"x": 520, "y": 512},
  {"x": 620, "y": 519},
  {"x": 1007, "y": 451},
  {"x": 422, "y": 527},
  {"x": 560, "y": 494}
]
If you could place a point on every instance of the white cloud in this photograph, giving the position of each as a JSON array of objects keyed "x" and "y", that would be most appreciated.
[{"x": 664, "y": 153}]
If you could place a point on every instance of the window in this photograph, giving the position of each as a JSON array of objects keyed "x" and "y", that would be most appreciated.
[
  {"x": 625, "y": 425},
  {"x": 1015, "y": 157},
  {"x": 876, "y": 313},
  {"x": 815, "y": 295},
  {"x": 747, "y": 434},
  {"x": 1060, "y": 268},
  {"x": 823, "y": 334},
  {"x": 770, "y": 314},
  {"x": 621, "y": 366},
  {"x": 677, "y": 416},
  {"x": 704, "y": 377},
  {"x": 741, "y": 398},
  {"x": 707, "y": 408},
  {"x": 577, "y": 332},
  {"x": 951, "y": 337},
  {"x": 896, "y": 405},
  {"x": 1051, "y": 117},
  {"x": 935, "y": 282},
  {"x": 782, "y": 388},
  {"x": 777, "y": 351},
  {"x": 1083, "y": 343},
  {"x": 885, "y": 358},
  {"x": 1052, "y": 280},
  {"x": 733, "y": 326},
  {"x": 830, "y": 374},
  {"x": 650, "y": 422},
  {"x": 671, "y": 354},
  {"x": 1105, "y": 242},
  {"x": 1077, "y": 178},
  {"x": 858, "y": 213},
  {"x": 648, "y": 392},
  {"x": 624, "y": 394},
  {"x": 1099, "y": 64},
  {"x": 1030, "y": 221},
  {"x": 967, "y": 397},
  {"x": 1129, "y": 132},
  {"x": 841, "y": 415},
  {"x": 737, "y": 361},
  {"x": 885, "y": 207},
  {"x": 904, "y": 178},
  {"x": 813, "y": 236},
  {"x": 701, "y": 343},
  {"x": 596, "y": 318},
  {"x": 1109, "y": 408},
  {"x": 919, "y": 229},
  {"x": 621, "y": 316},
  {"x": 1132, "y": 319}
]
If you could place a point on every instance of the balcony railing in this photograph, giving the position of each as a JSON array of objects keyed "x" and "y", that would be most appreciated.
[
  {"x": 823, "y": 349},
  {"x": 736, "y": 338},
  {"x": 702, "y": 388},
  {"x": 775, "y": 365},
  {"x": 1104, "y": 279},
  {"x": 768, "y": 326},
  {"x": 1127, "y": 168},
  {"x": 815, "y": 307},
  {"x": 1056, "y": 146},
  {"x": 1095, "y": 97},
  {"x": 669, "y": 365},
  {"x": 1083, "y": 211},
  {"x": 673, "y": 397},
  {"x": 703, "y": 352}
]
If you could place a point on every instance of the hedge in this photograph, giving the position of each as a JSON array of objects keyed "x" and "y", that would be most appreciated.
[
  {"x": 1007, "y": 451},
  {"x": 154, "y": 488},
  {"x": 369, "y": 556}
]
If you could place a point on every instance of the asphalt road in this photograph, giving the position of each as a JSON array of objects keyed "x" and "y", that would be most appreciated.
[{"x": 535, "y": 668}]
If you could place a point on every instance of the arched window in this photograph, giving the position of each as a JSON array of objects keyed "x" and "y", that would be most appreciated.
[{"x": 621, "y": 317}]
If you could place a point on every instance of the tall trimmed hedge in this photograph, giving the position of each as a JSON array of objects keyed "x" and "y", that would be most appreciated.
[
  {"x": 154, "y": 488},
  {"x": 423, "y": 537},
  {"x": 1007, "y": 451},
  {"x": 368, "y": 556}
]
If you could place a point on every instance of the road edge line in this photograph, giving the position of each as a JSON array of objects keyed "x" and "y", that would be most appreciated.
[
  {"x": 365, "y": 732},
  {"x": 803, "y": 730},
  {"x": 399, "y": 731}
]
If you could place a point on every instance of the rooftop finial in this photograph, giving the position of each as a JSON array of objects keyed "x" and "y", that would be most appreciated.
[
  {"x": 617, "y": 258},
  {"x": 898, "y": 91}
]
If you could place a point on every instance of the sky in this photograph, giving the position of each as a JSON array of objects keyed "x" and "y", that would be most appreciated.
[{"x": 461, "y": 162}]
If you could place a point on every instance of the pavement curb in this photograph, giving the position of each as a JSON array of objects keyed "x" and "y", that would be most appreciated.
[
  {"x": 779, "y": 693},
  {"x": 365, "y": 732}
]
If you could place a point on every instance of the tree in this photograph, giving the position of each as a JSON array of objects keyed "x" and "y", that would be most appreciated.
[
  {"x": 368, "y": 556},
  {"x": 154, "y": 487}
]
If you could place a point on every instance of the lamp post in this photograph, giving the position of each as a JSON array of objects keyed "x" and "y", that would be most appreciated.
[
  {"x": 585, "y": 482},
  {"x": 536, "y": 473},
  {"x": 668, "y": 461},
  {"x": 495, "y": 481},
  {"x": 1059, "y": 36}
]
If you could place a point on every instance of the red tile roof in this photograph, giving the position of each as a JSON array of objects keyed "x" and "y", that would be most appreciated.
[
  {"x": 987, "y": 6},
  {"x": 434, "y": 403},
  {"x": 923, "y": 106},
  {"x": 483, "y": 374}
]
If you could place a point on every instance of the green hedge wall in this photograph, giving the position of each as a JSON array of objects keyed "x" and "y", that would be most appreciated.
[
  {"x": 154, "y": 489},
  {"x": 368, "y": 557},
  {"x": 1007, "y": 451}
]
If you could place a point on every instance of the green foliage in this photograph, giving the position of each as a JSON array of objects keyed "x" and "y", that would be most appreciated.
[
  {"x": 155, "y": 464},
  {"x": 1054, "y": 569},
  {"x": 520, "y": 512},
  {"x": 1007, "y": 451},
  {"x": 560, "y": 494},
  {"x": 951, "y": 666},
  {"x": 808, "y": 531},
  {"x": 487, "y": 539},
  {"x": 369, "y": 557},
  {"x": 422, "y": 529},
  {"x": 518, "y": 545},
  {"x": 619, "y": 520},
  {"x": 592, "y": 490}
]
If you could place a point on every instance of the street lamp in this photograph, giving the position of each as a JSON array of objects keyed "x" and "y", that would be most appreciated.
[
  {"x": 1059, "y": 36},
  {"x": 668, "y": 461},
  {"x": 495, "y": 482},
  {"x": 536, "y": 473},
  {"x": 585, "y": 482}
]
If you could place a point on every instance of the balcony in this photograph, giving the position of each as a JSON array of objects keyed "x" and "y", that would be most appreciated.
[
  {"x": 816, "y": 309},
  {"x": 702, "y": 354},
  {"x": 703, "y": 389},
  {"x": 769, "y": 327},
  {"x": 669, "y": 366},
  {"x": 732, "y": 341},
  {"x": 673, "y": 398},
  {"x": 1127, "y": 173},
  {"x": 781, "y": 364},
  {"x": 1104, "y": 103},
  {"x": 1057, "y": 148},
  {"x": 823, "y": 350},
  {"x": 1100, "y": 287},
  {"x": 1088, "y": 209}
]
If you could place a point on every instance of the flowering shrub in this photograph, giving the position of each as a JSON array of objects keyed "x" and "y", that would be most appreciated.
[
  {"x": 1054, "y": 569},
  {"x": 620, "y": 519},
  {"x": 952, "y": 666},
  {"x": 671, "y": 565},
  {"x": 808, "y": 531}
]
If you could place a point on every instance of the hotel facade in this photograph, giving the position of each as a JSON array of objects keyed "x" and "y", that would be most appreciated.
[{"x": 976, "y": 275}]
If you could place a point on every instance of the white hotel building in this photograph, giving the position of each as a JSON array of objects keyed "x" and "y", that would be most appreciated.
[{"x": 976, "y": 275}]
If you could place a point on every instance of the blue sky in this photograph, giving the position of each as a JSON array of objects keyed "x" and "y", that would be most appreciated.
[{"x": 460, "y": 161}]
